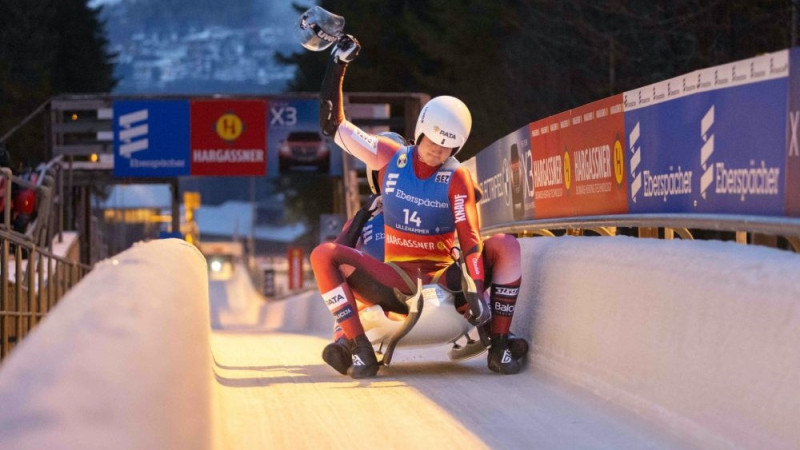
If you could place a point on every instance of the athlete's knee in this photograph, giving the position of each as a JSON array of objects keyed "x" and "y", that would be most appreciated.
[
  {"x": 502, "y": 245},
  {"x": 322, "y": 254}
]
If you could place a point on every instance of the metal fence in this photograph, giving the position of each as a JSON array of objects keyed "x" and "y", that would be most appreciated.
[
  {"x": 780, "y": 232},
  {"x": 32, "y": 277}
]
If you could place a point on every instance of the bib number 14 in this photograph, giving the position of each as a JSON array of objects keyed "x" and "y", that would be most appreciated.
[{"x": 412, "y": 217}]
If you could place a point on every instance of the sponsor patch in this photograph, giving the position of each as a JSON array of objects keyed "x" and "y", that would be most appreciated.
[
  {"x": 391, "y": 182},
  {"x": 367, "y": 140},
  {"x": 402, "y": 160},
  {"x": 503, "y": 309},
  {"x": 443, "y": 177},
  {"x": 343, "y": 314},
  {"x": 335, "y": 298},
  {"x": 506, "y": 291}
]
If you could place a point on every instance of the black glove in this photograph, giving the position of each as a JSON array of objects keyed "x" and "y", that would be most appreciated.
[
  {"x": 346, "y": 50},
  {"x": 373, "y": 205}
]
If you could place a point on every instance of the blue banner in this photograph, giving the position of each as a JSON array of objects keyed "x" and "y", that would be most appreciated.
[
  {"x": 151, "y": 138},
  {"x": 713, "y": 141},
  {"x": 503, "y": 172}
]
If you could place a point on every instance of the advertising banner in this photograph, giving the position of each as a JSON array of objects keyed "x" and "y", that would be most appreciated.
[
  {"x": 501, "y": 177},
  {"x": 712, "y": 141},
  {"x": 295, "y": 258},
  {"x": 151, "y": 138},
  {"x": 295, "y": 141},
  {"x": 792, "y": 142},
  {"x": 228, "y": 137},
  {"x": 551, "y": 175},
  {"x": 588, "y": 143}
]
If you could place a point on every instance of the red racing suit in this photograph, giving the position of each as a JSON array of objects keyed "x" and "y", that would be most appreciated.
[{"x": 439, "y": 211}]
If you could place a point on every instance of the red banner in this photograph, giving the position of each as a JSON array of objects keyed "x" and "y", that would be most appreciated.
[
  {"x": 578, "y": 161},
  {"x": 229, "y": 137},
  {"x": 295, "y": 257}
]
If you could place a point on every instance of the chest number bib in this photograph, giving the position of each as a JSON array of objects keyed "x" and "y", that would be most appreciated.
[{"x": 412, "y": 218}]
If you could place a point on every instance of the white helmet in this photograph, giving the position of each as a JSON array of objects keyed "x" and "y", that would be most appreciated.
[
  {"x": 446, "y": 121},
  {"x": 372, "y": 175}
]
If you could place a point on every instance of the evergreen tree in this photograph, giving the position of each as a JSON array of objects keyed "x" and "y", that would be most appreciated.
[
  {"x": 47, "y": 47},
  {"x": 518, "y": 61}
]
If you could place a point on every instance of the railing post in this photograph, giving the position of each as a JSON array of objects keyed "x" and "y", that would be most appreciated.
[
  {"x": 6, "y": 174},
  {"x": 40, "y": 284},
  {"x": 31, "y": 280},
  {"x": 20, "y": 332},
  {"x": 4, "y": 303},
  {"x": 50, "y": 291}
]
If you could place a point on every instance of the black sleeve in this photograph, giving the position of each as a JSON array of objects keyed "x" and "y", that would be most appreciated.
[
  {"x": 331, "y": 105},
  {"x": 349, "y": 237}
]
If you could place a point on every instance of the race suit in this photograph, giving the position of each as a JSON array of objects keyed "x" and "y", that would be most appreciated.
[{"x": 427, "y": 211}]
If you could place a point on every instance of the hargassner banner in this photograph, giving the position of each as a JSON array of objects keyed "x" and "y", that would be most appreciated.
[
  {"x": 151, "y": 138},
  {"x": 579, "y": 161},
  {"x": 712, "y": 141},
  {"x": 229, "y": 137},
  {"x": 550, "y": 174},
  {"x": 503, "y": 178}
]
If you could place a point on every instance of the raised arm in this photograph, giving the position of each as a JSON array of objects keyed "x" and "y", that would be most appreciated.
[{"x": 375, "y": 152}]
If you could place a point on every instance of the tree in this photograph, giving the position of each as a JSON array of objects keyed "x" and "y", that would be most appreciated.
[
  {"x": 47, "y": 47},
  {"x": 518, "y": 61}
]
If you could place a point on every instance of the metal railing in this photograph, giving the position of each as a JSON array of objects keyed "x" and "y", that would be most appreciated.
[
  {"x": 32, "y": 277},
  {"x": 685, "y": 226}
]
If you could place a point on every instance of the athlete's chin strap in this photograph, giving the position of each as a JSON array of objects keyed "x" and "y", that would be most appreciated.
[{"x": 331, "y": 105}]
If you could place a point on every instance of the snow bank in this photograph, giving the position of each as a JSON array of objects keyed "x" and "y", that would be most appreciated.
[
  {"x": 703, "y": 337},
  {"x": 123, "y": 360}
]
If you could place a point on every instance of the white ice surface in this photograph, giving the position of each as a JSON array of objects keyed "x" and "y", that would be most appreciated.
[
  {"x": 122, "y": 361},
  {"x": 636, "y": 344}
]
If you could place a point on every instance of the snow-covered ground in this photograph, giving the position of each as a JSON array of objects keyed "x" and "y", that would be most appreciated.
[{"x": 636, "y": 344}]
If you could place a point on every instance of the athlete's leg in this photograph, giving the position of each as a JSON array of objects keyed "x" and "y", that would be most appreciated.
[
  {"x": 502, "y": 262},
  {"x": 332, "y": 263}
]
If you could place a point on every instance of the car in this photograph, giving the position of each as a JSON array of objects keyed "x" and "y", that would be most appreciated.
[{"x": 304, "y": 150}]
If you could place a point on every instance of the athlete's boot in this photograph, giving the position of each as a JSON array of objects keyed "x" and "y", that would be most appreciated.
[
  {"x": 500, "y": 358},
  {"x": 518, "y": 346},
  {"x": 339, "y": 355},
  {"x": 365, "y": 364}
]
